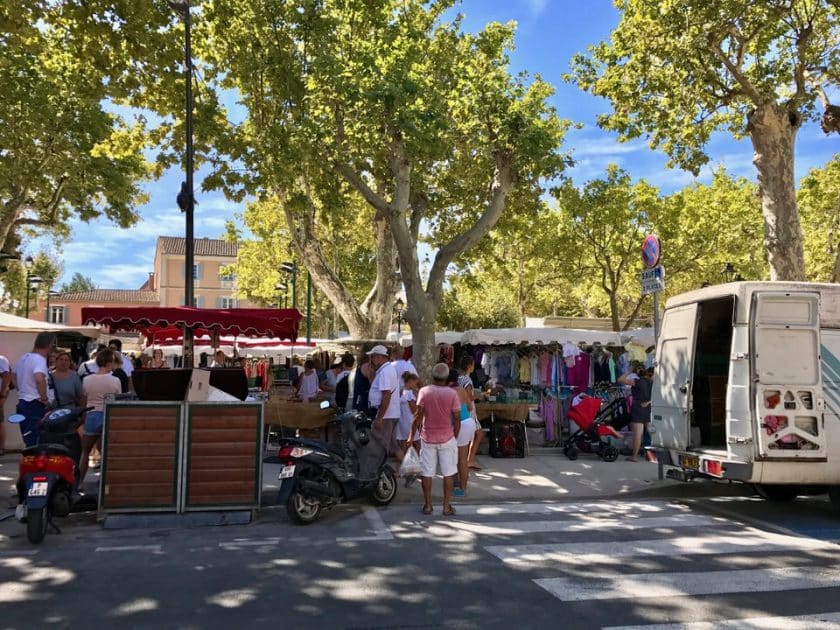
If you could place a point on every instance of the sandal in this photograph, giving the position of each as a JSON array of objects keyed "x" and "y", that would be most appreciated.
[
  {"x": 427, "y": 509},
  {"x": 474, "y": 467},
  {"x": 450, "y": 511}
]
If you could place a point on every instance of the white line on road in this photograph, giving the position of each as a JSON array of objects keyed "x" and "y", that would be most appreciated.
[
  {"x": 612, "y": 552},
  {"x": 825, "y": 621},
  {"x": 596, "y": 522},
  {"x": 238, "y": 543},
  {"x": 153, "y": 548},
  {"x": 660, "y": 585},
  {"x": 380, "y": 529},
  {"x": 22, "y": 552},
  {"x": 562, "y": 508}
]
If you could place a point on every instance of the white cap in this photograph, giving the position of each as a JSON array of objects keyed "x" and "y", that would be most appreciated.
[{"x": 381, "y": 350}]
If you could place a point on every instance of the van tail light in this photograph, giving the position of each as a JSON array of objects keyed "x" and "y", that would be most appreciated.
[{"x": 714, "y": 468}]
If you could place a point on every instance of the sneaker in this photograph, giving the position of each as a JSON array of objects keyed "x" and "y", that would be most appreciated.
[
  {"x": 457, "y": 492},
  {"x": 20, "y": 512}
]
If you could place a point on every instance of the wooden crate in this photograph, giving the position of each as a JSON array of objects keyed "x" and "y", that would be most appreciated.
[
  {"x": 223, "y": 456},
  {"x": 140, "y": 457}
]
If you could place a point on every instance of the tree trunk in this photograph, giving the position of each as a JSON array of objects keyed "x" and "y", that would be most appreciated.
[
  {"x": 773, "y": 132},
  {"x": 421, "y": 317}
]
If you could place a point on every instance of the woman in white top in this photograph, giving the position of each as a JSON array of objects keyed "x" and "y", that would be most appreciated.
[
  {"x": 96, "y": 388},
  {"x": 307, "y": 385}
]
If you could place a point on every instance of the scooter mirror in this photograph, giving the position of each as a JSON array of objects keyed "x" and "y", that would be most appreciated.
[{"x": 16, "y": 418}]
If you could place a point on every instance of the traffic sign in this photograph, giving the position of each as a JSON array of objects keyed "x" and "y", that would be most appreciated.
[
  {"x": 651, "y": 251},
  {"x": 653, "y": 280}
]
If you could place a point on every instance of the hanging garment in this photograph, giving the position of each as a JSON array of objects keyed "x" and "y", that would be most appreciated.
[
  {"x": 578, "y": 376},
  {"x": 534, "y": 368},
  {"x": 525, "y": 369}
]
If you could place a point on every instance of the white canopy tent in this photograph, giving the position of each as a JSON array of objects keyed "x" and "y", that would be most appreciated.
[
  {"x": 244, "y": 346},
  {"x": 17, "y": 335},
  {"x": 447, "y": 337},
  {"x": 544, "y": 336}
]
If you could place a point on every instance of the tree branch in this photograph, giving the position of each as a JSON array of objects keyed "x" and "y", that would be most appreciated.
[
  {"x": 714, "y": 44},
  {"x": 358, "y": 183}
]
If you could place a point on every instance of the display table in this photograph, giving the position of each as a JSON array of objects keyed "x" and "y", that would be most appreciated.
[
  {"x": 517, "y": 412},
  {"x": 296, "y": 415}
]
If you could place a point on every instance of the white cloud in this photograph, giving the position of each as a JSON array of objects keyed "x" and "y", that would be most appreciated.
[
  {"x": 605, "y": 147},
  {"x": 535, "y": 7}
]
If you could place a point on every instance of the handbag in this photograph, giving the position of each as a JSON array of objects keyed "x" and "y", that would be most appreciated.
[{"x": 411, "y": 463}]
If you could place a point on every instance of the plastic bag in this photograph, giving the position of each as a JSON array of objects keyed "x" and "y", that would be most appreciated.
[{"x": 411, "y": 463}]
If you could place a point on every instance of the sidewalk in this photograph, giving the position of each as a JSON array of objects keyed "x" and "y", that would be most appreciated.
[{"x": 544, "y": 475}]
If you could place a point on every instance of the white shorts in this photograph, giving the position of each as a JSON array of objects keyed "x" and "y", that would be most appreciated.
[
  {"x": 446, "y": 454},
  {"x": 467, "y": 432}
]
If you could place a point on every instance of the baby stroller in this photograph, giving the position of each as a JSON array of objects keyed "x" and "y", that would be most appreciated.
[{"x": 594, "y": 426}]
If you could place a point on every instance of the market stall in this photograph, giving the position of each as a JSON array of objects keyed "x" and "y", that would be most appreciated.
[
  {"x": 199, "y": 421},
  {"x": 18, "y": 337}
]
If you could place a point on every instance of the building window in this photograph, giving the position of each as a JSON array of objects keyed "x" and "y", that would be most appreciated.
[
  {"x": 227, "y": 277},
  {"x": 227, "y": 302},
  {"x": 56, "y": 314},
  {"x": 196, "y": 272}
]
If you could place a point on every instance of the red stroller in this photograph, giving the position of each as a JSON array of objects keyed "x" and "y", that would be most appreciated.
[{"x": 591, "y": 437}]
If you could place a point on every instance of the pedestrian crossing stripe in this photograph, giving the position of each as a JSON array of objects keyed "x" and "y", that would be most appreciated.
[
  {"x": 590, "y": 522},
  {"x": 659, "y": 585},
  {"x": 613, "y": 552},
  {"x": 631, "y": 507},
  {"x": 825, "y": 621}
]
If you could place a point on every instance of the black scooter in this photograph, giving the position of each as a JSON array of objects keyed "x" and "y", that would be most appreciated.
[{"x": 318, "y": 475}]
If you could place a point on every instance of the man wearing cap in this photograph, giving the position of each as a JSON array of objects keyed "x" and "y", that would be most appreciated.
[
  {"x": 384, "y": 397},
  {"x": 439, "y": 415}
]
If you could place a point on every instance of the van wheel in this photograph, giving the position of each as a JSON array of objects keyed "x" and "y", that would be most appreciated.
[
  {"x": 834, "y": 497},
  {"x": 777, "y": 492}
]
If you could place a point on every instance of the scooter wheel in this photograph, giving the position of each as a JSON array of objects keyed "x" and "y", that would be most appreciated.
[
  {"x": 386, "y": 488},
  {"x": 609, "y": 454},
  {"x": 571, "y": 453},
  {"x": 36, "y": 525},
  {"x": 302, "y": 510}
]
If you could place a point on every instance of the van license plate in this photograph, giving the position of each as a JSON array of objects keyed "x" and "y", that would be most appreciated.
[
  {"x": 690, "y": 461},
  {"x": 287, "y": 472},
  {"x": 38, "y": 489}
]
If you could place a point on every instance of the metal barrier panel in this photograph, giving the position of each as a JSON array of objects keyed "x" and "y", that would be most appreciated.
[
  {"x": 141, "y": 463},
  {"x": 223, "y": 456}
]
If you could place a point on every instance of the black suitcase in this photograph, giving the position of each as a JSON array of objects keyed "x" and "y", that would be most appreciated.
[{"x": 507, "y": 439}]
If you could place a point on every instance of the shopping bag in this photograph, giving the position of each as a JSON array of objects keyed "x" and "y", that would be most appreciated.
[{"x": 410, "y": 463}]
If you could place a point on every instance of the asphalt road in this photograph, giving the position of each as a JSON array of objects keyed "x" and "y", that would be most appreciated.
[{"x": 641, "y": 563}]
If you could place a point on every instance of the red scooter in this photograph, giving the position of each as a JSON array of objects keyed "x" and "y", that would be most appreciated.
[{"x": 48, "y": 471}]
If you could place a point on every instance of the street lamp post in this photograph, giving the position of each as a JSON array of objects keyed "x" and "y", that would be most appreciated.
[
  {"x": 728, "y": 271},
  {"x": 32, "y": 282},
  {"x": 291, "y": 269},
  {"x": 186, "y": 198},
  {"x": 399, "y": 309}
]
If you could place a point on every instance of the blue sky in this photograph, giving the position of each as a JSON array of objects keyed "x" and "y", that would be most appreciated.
[{"x": 549, "y": 33}]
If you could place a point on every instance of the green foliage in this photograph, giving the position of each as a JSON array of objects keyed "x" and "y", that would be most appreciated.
[
  {"x": 677, "y": 71},
  {"x": 819, "y": 200},
  {"x": 78, "y": 282},
  {"x": 466, "y": 306},
  {"x": 67, "y": 149},
  {"x": 13, "y": 297}
]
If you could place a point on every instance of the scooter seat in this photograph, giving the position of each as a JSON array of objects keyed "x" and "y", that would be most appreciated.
[{"x": 47, "y": 449}]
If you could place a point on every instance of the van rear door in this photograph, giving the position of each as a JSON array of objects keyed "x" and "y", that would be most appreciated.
[
  {"x": 787, "y": 375},
  {"x": 671, "y": 396}
]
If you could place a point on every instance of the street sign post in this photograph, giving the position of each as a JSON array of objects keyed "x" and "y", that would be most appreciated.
[
  {"x": 653, "y": 280},
  {"x": 653, "y": 276}
]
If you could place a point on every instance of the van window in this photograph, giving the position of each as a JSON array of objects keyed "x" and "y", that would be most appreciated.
[{"x": 711, "y": 369}]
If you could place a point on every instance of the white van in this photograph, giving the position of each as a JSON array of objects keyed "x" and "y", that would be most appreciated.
[{"x": 747, "y": 386}]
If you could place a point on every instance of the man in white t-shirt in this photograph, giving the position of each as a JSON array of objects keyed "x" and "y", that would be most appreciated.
[
  {"x": 384, "y": 396},
  {"x": 127, "y": 365},
  {"x": 31, "y": 377},
  {"x": 401, "y": 365}
]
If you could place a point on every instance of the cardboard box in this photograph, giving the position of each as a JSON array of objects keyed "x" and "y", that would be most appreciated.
[{"x": 199, "y": 387}]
